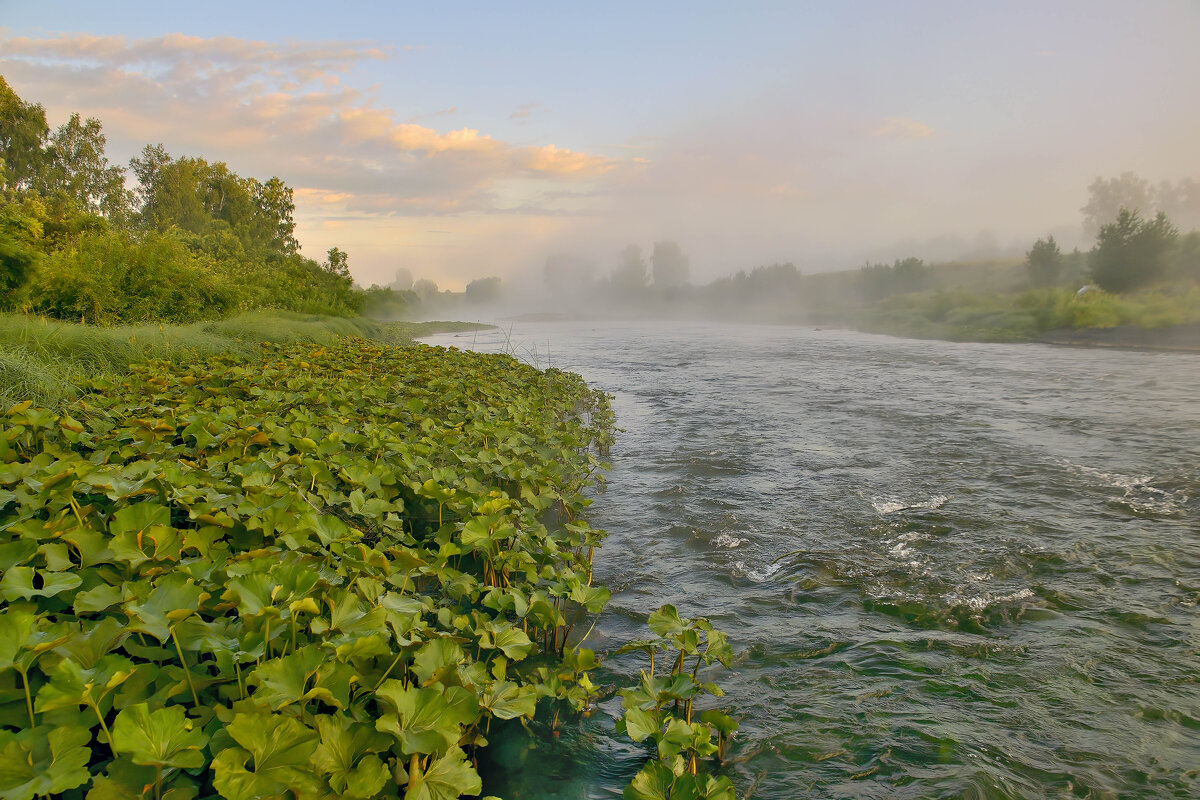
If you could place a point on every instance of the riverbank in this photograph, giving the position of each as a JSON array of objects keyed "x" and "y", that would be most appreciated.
[
  {"x": 1175, "y": 339},
  {"x": 49, "y": 361}
]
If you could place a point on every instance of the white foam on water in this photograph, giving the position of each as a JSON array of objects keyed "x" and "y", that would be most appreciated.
[
  {"x": 756, "y": 575},
  {"x": 981, "y": 602},
  {"x": 1140, "y": 496},
  {"x": 729, "y": 541},
  {"x": 890, "y": 504}
]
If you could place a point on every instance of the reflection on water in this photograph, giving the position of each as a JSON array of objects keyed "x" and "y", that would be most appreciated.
[{"x": 949, "y": 570}]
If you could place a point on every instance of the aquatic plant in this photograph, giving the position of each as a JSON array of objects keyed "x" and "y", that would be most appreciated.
[
  {"x": 661, "y": 709},
  {"x": 310, "y": 573}
]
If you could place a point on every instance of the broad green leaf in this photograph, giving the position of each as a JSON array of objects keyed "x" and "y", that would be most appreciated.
[
  {"x": 283, "y": 681},
  {"x": 346, "y": 756},
  {"x": 274, "y": 757},
  {"x": 160, "y": 738},
  {"x": 43, "y": 761},
  {"x": 653, "y": 782},
  {"x": 506, "y": 700},
  {"x": 19, "y": 583},
  {"x": 173, "y": 598},
  {"x": 435, "y": 655},
  {"x": 448, "y": 778},
  {"x": 98, "y": 599},
  {"x": 425, "y": 720},
  {"x": 514, "y": 643},
  {"x": 723, "y": 723},
  {"x": 72, "y": 685},
  {"x": 666, "y": 621},
  {"x": 640, "y": 723}
]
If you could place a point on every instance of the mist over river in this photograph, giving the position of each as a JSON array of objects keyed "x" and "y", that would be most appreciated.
[{"x": 948, "y": 570}]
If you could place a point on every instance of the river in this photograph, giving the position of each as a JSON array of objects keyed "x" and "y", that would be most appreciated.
[{"x": 947, "y": 570}]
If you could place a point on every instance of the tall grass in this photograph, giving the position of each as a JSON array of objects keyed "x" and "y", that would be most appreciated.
[{"x": 47, "y": 361}]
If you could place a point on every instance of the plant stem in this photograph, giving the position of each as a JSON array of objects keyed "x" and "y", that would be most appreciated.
[
  {"x": 414, "y": 765},
  {"x": 103, "y": 725},
  {"x": 388, "y": 671},
  {"x": 28, "y": 698},
  {"x": 187, "y": 672}
]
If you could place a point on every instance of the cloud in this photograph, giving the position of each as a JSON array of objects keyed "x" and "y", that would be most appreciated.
[
  {"x": 523, "y": 112},
  {"x": 902, "y": 128},
  {"x": 289, "y": 109}
]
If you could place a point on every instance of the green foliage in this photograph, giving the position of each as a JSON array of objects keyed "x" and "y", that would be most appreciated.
[
  {"x": 17, "y": 267},
  {"x": 1132, "y": 252},
  {"x": 315, "y": 571},
  {"x": 195, "y": 241},
  {"x": 682, "y": 739},
  {"x": 963, "y": 316},
  {"x": 23, "y": 132},
  {"x": 1044, "y": 262},
  {"x": 877, "y": 281}
]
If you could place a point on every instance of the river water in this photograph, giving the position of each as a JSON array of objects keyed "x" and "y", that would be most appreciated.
[{"x": 947, "y": 570}]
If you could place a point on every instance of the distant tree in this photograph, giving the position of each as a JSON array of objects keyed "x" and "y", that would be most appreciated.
[
  {"x": 483, "y": 290},
  {"x": 670, "y": 265},
  {"x": 1132, "y": 252},
  {"x": 1180, "y": 201},
  {"x": 425, "y": 289},
  {"x": 23, "y": 132},
  {"x": 403, "y": 281},
  {"x": 630, "y": 276},
  {"x": 1044, "y": 262},
  {"x": 876, "y": 281},
  {"x": 1106, "y": 198}
]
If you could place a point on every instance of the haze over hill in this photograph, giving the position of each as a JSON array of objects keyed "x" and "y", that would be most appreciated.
[{"x": 481, "y": 144}]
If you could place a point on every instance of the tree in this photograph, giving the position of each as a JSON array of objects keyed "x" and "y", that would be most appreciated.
[
  {"x": 274, "y": 210},
  {"x": 670, "y": 265},
  {"x": 630, "y": 275},
  {"x": 483, "y": 290},
  {"x": 1131, "y": 252},
  {"x": 75, "y": 165},
  {"x": 425, "y": 289},
  {"x": 403, "y": 281},
  {"x": 1106, "y": 198},
  {"x": 338, "y": 263},
  {"x": 23, "y": 132},
  {"x": 1044, "y": 262}
]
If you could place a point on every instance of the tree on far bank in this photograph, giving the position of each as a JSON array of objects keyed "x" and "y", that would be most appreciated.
[
  {"x": 483, "y": 290},
  {"x": 1044, "y": 262},
  {"x": 670, "y": 265},
  {"x": 1107, "y": 196},
  {"x": 1132, "y": 252},
  {"x": 630, "y": 276}
]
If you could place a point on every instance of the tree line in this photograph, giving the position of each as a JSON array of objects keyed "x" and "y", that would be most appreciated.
[{"x": 192, "y": 240}]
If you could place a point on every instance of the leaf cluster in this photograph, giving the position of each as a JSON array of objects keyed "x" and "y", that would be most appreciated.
[{"x": 660, "y": 709}]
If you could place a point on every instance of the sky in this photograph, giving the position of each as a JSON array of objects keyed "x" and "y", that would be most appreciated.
[{"x": 467, "y": 140}]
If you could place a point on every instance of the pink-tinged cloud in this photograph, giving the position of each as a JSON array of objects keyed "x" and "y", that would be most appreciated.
[
  {"x": 283, "y": 109},
  {"x": 902, "y": 128}
]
